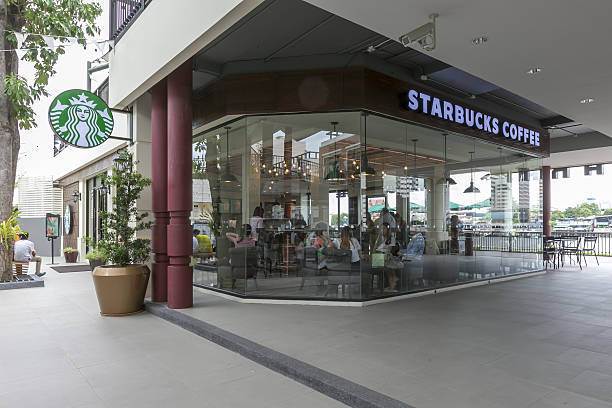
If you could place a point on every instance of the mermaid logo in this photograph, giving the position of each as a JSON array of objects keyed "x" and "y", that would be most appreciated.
[{"x": 80, "y": 118}]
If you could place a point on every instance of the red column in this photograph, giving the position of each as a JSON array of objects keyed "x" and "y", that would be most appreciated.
[
  {"x": 546, "y": 200},
  {"x": 159, "y": 177},
  {"x": 180, "y": 276}
]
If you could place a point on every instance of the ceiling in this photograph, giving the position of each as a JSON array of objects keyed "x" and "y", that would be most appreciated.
[
  {"x": 286, "y": 35},
  {"x": 568, "y": 40}
]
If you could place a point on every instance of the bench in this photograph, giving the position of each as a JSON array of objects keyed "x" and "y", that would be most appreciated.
[{"x": 19, "y": 267}]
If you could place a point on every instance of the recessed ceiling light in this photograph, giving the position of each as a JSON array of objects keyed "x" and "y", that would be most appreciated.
[
  {"x": 480, "y": 40},
  {"x": 534, "y": 70},
  {"x": 587, "y": 100}
]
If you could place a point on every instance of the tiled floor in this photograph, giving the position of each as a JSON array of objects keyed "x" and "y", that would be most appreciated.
[
  {"x": 57, "y": 351},
  {"x": 544, "y": 341},
  {"x": 539, "y": 342}
]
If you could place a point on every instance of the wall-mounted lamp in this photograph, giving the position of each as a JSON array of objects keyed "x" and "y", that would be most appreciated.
[{"x": 76, "y": 196}]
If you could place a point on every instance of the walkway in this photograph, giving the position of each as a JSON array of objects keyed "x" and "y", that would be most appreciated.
[
  {"x": 56, "y": 351},
  {"x": 538, "y": 342}
]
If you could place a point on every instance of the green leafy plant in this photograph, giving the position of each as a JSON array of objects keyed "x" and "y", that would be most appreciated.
[
  {"x": 96, "y": 253},
  {"x": 8, "y": 230},
  {"x": 68, "y": 249},
  {"x": 62, "y": 19},
  {"x": 120, "y": 225}
]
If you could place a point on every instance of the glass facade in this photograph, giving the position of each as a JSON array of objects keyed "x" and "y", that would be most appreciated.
[{"x": 355, "y": 206}]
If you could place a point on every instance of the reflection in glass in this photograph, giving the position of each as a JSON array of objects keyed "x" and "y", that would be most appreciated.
[{"x": 353, "y": 206}]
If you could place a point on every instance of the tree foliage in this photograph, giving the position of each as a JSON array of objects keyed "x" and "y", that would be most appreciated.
[
  {"x": 60, "y": 18},
  {"x": 119, "y": 226},
  {"x": 580, "y": 211}
]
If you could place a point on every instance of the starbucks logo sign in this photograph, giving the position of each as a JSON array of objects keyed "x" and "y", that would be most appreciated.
[{"x": 80, "y": 118}]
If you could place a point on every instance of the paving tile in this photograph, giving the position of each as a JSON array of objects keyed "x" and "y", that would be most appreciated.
[{"x": 592, "y": 384}]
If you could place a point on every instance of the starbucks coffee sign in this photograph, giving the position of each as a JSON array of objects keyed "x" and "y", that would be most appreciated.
[{"x": 80, "y": 118}]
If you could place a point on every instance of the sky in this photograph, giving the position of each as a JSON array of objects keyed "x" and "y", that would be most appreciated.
[{"x": 36, "y": 154}]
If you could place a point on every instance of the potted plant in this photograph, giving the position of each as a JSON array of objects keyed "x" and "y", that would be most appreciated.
[
  {"x": 8, "y": 229},
  {"x": 96, "y": 257},
  {"x": 70, "y": 255},
  {"x": 121, "y": 285}
]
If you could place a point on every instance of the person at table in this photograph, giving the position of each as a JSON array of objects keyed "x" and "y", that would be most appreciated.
[
  {"x": 24, "y": 252},
  {"x": 246, "y": 240},
  {"x": 385, "y": 244},
  {"x": 256, "y": 222},
  {"x": 194, "y": 241},
  {"x": 347, "y": 241}
]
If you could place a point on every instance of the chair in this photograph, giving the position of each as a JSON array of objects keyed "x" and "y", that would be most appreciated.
[
  {"x": 413, "y": 262},
  {"x": 588, "y": 245},
  {"x": 549, "y": 251},
  {"x": 309, "y": 267},
  {"x": 243, "y": 262},
  {"x": 571, "y": 246},
  {"x": 21, "y": 267},
  {"x": 339, "y": 268}
]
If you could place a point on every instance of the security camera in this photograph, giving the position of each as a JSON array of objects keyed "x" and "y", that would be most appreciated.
[{"x": 424, "y": 36}]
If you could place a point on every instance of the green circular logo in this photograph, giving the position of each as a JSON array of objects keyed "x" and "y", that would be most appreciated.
[{"x": 80, "y": 118}]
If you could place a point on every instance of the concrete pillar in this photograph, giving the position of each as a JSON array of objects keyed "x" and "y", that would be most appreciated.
[
  {"x": 180, "y": 292},
  {"x": 437, "y": 204},
  {"x": 546, "y": 200},
  {"x": 159, "y": 176}
]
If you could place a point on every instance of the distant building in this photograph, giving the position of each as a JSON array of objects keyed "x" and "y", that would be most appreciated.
[{"x": 35, "y": 197}]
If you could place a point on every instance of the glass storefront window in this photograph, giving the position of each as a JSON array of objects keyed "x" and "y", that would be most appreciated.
[{"x": 352, "y": 205}]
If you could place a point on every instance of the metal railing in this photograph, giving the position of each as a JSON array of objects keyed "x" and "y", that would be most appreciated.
[
  {"x": 531, "y": 242},
  {"x": 122, "y": 13}
]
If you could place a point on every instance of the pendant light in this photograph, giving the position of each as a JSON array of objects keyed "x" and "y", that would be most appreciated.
[
  {"x": 447, "y": 180},
  {"x": 365, "y": 166},
  {"x": 472, "y": 188},
  {"x": 334, "y": 175},
  {"x": 227, "y": 176}
]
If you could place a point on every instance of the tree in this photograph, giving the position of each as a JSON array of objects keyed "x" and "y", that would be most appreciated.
[
  {"x": 608, "y": 211},
  {"x": 60, "y": 18},
  {"x": 556, "y": 214},
  {"x": 119, "y": 227}
]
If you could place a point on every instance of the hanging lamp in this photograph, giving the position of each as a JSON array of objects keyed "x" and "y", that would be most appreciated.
[
  {"x": 334, "y": 175},
  {"x": 365, "y": 166},
  {"x": 447, "y": 179},
  {"x": 227, "y": 176},
  {"x": 472, "y": 188}
]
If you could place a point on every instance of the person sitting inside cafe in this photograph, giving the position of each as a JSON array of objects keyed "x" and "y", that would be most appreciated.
[
  {"x": 246, "y": 240},
  {"x": 25, "y": 252},
  {"x": 385, "y": 244}
]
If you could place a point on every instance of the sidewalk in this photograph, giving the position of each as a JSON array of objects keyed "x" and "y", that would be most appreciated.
[
  {"x": 538, "y": 342},
  {"x": 59, "y": 352}
]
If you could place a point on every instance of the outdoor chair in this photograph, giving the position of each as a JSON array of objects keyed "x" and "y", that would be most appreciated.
[
  {"x": 21, "y": 267},
  {"x": 589, "y": 245},
  {"x": 570, "y": 246},
  {"x": 549, "y": 251}
]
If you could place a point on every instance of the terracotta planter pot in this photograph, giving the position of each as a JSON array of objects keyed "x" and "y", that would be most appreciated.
[
  {"x": 121, "y": 289},
  {"x": 94, "y": 263},
  {"x": 71, "y": 257}
]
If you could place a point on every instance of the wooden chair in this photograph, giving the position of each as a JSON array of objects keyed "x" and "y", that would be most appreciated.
[{"x": 19, "y": 267}]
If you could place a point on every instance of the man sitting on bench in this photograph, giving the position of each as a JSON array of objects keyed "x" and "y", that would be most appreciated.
[{"x": 25, "y": 252}]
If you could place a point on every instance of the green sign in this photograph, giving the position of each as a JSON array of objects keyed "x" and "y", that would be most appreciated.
[{"x": 80, "y": 118}]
